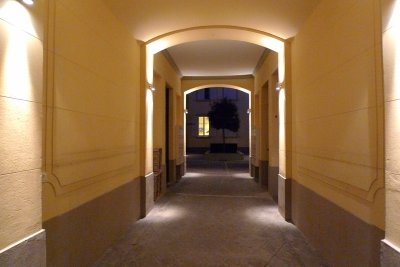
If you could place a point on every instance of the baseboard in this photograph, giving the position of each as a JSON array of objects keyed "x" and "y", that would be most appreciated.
[
  {"x": 390, "y": 254},
  {"x": 30, "y": 251}
]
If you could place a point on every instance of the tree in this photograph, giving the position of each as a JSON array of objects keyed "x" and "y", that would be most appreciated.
[{"x": 224, "y": 115}]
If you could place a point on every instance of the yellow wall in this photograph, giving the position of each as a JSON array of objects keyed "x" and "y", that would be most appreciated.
[
  {"x": 21, "y": 73},
  {"x": 391, "y": 52},
  {"x": 159, "y": 115},
  {"x": 92, "y": 123},
  {"x": 165, "y": 75},
  {"x": 337, "y": 107},
  {"x": 267, "y": 121}
]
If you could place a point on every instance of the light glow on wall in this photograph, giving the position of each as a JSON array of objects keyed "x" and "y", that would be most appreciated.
[
  {"x": 149, "y": 131},
  {"x": 16, "y": 81},
  {"x": 282, "y": 131},
  {"x": 394, "y": 25}
]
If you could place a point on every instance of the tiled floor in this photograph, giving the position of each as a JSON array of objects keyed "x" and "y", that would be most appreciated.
[{"x": 216, "y": 216}]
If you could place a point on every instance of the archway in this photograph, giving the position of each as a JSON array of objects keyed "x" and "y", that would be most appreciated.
[
  {"x": 260, "y": 38},
  {"x": 201, "y": 87}
]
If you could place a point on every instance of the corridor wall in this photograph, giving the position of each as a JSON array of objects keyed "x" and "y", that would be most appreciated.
[
  {"x": 265, "y": 79},
  {"x": 338, "y": 181},
  {"x": 92, "y": 190},
  {"x": 391, "y": 63},
  {"x": 22, "y": 240},
  {"x": 166, "y": 75}
]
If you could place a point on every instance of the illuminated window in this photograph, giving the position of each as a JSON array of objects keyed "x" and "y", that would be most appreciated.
[{"x": 204, "y": 126}]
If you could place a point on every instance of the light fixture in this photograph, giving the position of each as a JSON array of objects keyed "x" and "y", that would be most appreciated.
[
  {"x": 186, "y": 111},
  {"x": 279, "y": 86},
  {"x": 151, "y": 87},
  {"x": 28, "y": 2},
  {"x": 248, "y": 111}
]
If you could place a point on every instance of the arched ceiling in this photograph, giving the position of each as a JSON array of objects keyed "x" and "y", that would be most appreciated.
[
  {"x": 216, "y": 58},
  {"x": 148, "y": 19}
]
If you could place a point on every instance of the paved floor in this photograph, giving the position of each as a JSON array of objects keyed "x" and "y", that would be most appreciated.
[{"x": 216, "y": 216}]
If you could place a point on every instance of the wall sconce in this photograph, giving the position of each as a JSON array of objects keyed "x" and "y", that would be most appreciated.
[
  {"x": 28, "y": 2},
  {"x": 186, "y": 111},
  {"x": 279, "y": 86},
  {"x": 151, "y": 87},
  {"x": 248, "y": 111}
]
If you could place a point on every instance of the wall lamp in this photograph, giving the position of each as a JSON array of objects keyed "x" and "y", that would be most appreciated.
[
  {"x": 279, "y": 86},
  {"x": 151, "y": 87},
  {"x": 186, "y": 111},
  {"x": 28, "y": 2},
  {"x": 248, "y": 111}
]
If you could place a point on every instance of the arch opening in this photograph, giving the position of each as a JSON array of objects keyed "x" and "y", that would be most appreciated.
[
  {"x": 242, "y": 140},
  {"x": 263, "y": 39}
]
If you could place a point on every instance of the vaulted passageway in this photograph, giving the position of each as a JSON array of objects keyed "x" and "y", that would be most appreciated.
[{"x": 216, "y": 216}]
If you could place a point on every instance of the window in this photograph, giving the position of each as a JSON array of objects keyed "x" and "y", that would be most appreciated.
[{"x": 204, "y": 126}]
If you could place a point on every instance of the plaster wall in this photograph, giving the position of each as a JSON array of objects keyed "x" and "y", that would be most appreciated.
[
  {"x": 159, "y": 115},
  {"x": 391, "y": 57},
  {"x": 21, "y": 83},
  {"x": 268, "y": 146},
  {"x": 92, "y": 98},
  {"x": 338, "y": 107},
  {"x": 166, "y": 76}
]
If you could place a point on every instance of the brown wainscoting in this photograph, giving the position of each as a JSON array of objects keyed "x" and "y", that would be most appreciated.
[
  {"x": 390, "y": 256},
  {"x": 164, "y": 180},
  {"x": 180, "y": 171},
  {"x": 147, "y": 194},
  {"x": 254, "y": 172},
  {"x": 341, "y": 238},
  {"x": 263, "y": 173},
  {"x": 285, "y": 197},
  {"x": 28, "y": 252},
  {"x": 80, "y": 236},
  {"x": 273, "y": 182},
  {"x": 171, "y": 179}
]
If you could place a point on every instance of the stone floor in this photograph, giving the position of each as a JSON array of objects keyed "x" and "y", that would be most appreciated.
[{"x": 216, "y": 216}]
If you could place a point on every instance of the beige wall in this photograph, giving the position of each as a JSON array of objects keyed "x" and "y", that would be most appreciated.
[
  {"x": 338, "y": 107},
  {"x": 268, "y": 120},
  {"x": 21, "y": 82},
  {"x": 92, "y": 124},
  {"x": 391, "y": 52},
  {"x": 166, "y": 75}
]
